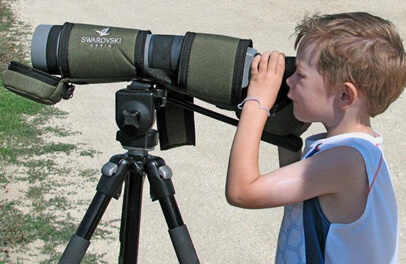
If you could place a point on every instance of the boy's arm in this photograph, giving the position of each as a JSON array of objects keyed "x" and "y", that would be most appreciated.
[
  {"x": 266, "y": 77},
  {"x": 333, "y": 172}
]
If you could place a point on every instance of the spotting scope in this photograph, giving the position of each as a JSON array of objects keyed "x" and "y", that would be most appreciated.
[{"x": 212, "y": 68}]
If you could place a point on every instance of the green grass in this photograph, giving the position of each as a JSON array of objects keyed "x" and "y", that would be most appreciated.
[
  {"x": 24, "y": 228},
  {"x": 19, "y": 137},
  {"x": 14, "y": 130},
  {"x": 22, "y": 145},
  {"x": 13, "y": 109}
]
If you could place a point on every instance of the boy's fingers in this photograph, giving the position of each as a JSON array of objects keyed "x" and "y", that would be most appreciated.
[
  {"x": 263, "y": 65},
  {"x": 281, "y": 63},
  {"x": 254, "y": 64},
  {"x": 271, "y": 62},
  {"x": 274, "y": 61}
]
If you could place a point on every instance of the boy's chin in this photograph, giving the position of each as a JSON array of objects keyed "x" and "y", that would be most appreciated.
[
  {"x": 303, "y": 119},
  {"x": 298, "y": 117}
]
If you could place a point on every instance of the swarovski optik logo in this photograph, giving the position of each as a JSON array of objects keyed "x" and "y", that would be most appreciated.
[
  {"x": 102, "y": 41},
  {"x": 103, "y": 32}
]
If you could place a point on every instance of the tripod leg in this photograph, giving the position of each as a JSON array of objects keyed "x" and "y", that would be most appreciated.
[
  {"x": 131, "y": 216},
  {"x": 109, "y": 186},
  {"x": 162, "y": 189}
]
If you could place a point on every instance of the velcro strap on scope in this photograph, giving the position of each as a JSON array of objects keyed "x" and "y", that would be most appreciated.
[
  {"x": 211, "y": 68},
  {"x": 34, "y": 84}
]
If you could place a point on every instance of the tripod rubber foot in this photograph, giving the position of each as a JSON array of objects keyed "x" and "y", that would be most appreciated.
[
  {"x": 75, "y": 250},
  {"x": 183, "y": 245}
]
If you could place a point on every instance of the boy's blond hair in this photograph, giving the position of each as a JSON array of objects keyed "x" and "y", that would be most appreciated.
[{"x": 359, "y": 48}]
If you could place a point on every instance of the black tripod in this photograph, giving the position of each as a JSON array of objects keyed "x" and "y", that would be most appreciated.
[{"x": 135, "y": 108}]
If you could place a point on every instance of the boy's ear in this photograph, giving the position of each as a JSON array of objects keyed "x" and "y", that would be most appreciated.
[{"x": 348, "y": 95}]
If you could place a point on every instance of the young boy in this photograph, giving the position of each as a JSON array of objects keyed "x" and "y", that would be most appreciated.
[{"x": 339, "y": 201}]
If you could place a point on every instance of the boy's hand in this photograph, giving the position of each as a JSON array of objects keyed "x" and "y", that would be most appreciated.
[{"x": 266, "y": 77}]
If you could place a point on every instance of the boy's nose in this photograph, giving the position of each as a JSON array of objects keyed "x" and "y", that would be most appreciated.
[{"x": 289, "y": 83}]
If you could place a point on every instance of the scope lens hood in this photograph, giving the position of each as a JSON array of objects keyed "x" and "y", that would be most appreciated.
[{"x": 44, "y": 48}]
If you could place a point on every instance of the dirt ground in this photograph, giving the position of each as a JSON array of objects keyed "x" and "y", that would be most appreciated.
[{"x": 221, "y": 233}]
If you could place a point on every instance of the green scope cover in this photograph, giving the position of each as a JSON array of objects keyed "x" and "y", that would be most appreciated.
[
  {"x": 96, "y": 54},
  {"x": 34, "y": 84},
  {"x": 211, "y": 68}
]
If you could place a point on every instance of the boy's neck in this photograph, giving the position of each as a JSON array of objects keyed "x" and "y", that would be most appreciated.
[
  {"x": 351, "y": 125},
  {"x": 350, "y": 119}
]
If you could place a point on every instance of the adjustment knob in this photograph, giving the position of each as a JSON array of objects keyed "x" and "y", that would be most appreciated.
[{"x": 131, "y": 119}]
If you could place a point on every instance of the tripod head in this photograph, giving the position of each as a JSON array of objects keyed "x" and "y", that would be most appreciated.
[{"x": 135, "y": 114}]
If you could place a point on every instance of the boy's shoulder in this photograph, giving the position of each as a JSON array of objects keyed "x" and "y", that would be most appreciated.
[
  {"x": 364, "y": 143},
  {"x": 351, "y": 157}
]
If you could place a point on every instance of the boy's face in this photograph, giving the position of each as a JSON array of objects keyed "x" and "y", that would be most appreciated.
[{"x": 312, "y": 101}]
